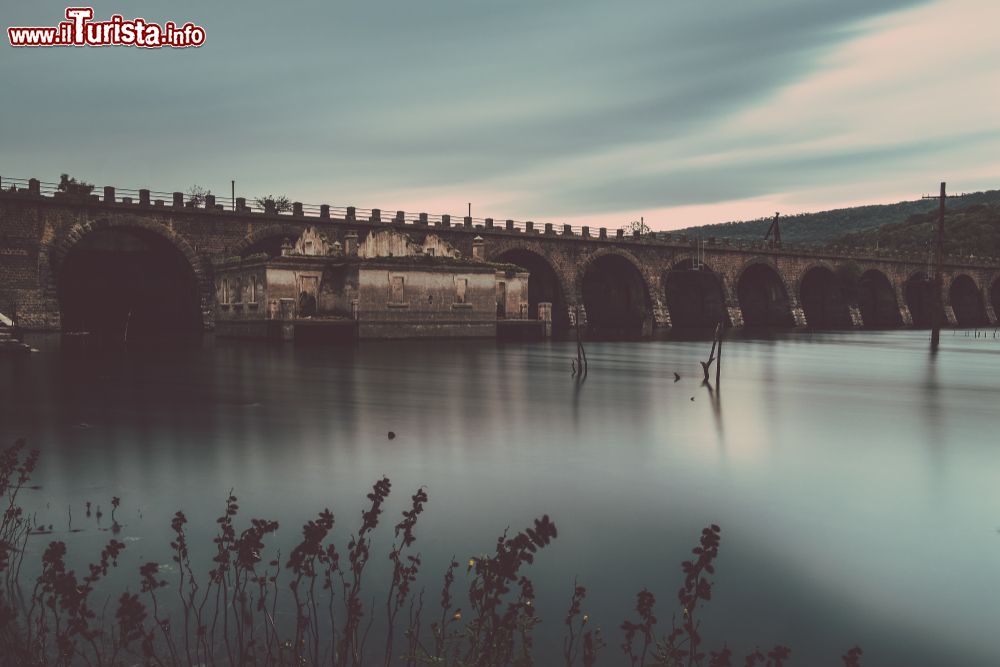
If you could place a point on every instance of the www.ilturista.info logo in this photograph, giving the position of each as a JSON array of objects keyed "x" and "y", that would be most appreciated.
[{"x": 79, "y": 30}]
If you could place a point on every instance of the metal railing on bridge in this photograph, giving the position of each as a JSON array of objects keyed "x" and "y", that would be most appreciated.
[{"x": 324, "y": 212}]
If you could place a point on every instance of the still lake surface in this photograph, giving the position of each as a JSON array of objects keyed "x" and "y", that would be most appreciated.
[{"x": 856, "y": 478}]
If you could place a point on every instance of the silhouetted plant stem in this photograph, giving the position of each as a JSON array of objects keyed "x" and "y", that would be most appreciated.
[
  {"x": 644, "y": 607},
  {"x": 302, "y": 561},
  {"x": 15, "y": 472},
  {"x": 853, "y": 657},
  {"x": 358, "y": 553},
  {"x": 441, "y": 633},
  {"x": 696, "y": 587},
  {"x": 569, "y": 642},
  {"x": 414, "y": 627},
  {"x": 493, "y": 633},
  {"x": 403, "y": 575},
  {"x": 149, "y": 585}
]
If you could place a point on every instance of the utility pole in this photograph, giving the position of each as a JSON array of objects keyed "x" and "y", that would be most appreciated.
[
  {"x": 774, "y": 232},
  {"x": 937, "y": 306},
  {"x": 234, "y": 194}
]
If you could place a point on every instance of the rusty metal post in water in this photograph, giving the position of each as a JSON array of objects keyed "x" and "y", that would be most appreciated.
[{"x": 937, "y": 304}]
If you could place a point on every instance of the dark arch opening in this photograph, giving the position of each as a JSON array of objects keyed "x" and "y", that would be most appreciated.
[
  {"x": 823, "y": 300},
  {"x": 616, "y": 299},
  {"x": 543, "y": 286},
  {"x": 269, "y": 245},
  {"x": 995, "y": 297},
  {"x": 763, "y": 298},
  {"x": 694, "y": 296},
  {"x": 967, "y": 302},
  {"x": 919, "y": 294},
  {"x": 124, "y": 279},
  {"x": 877, "y": 300}
]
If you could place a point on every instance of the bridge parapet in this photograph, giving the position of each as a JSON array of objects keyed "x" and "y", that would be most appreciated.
[{"x": 325, "y": 214}]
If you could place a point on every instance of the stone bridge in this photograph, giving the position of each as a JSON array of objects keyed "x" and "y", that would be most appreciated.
[{"x": 68, "y": 260}]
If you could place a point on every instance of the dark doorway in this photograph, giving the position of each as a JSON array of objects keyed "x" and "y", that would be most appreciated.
[
  {"x": 128, "y": 280},
  {"x": 763, "y": 298},
  {"x": 615, "y": 297}
]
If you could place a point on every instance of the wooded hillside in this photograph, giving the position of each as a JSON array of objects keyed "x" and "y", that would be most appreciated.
[{"x": 972, "y": 223}]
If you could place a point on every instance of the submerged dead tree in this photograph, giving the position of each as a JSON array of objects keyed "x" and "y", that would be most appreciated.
[
  {"x": 714, "y": 356},
  {"x": 580, "y": 363}
]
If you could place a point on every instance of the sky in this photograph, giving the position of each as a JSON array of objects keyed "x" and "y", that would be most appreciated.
[{"x": 681, "y": 112}]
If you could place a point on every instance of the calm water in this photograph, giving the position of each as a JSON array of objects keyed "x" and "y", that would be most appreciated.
[{"x": 855, "y": 477}]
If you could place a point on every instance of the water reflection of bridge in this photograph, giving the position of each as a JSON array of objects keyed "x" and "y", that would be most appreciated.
[{"x": 66, "y": 259}]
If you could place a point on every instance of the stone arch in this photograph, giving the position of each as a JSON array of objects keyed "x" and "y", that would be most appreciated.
[
  {"x": 877, "y": 300},
  {"x": 619, "y": 297},
  {"x": 694, "y": 294},
  {"x": 765, "y": 296},
  {"x": 814, "y": 264},
  {"x": 53, "y": 256},
  {"x": 684, "y": 261},
  {"x": 267, "y": 238},
  {"x": 545, "y": 284},
  {"x": 605, "y": 251},
  {"x": 966, "y": 299},
  {"x": 770, "y": 263},
  {"x": 822, "y": 295}
]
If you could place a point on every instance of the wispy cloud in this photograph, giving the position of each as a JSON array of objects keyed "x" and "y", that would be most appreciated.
[{"x": 580, "y": 111}]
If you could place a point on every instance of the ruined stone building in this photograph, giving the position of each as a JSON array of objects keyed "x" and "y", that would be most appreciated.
[{"x": 386, "y": 287}]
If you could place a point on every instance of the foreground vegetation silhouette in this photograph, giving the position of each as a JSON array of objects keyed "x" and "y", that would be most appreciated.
[{"x": 311, "y": 608}]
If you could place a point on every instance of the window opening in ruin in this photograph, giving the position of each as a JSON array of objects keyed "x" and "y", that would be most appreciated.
[{"x": 396, "y": 290}]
